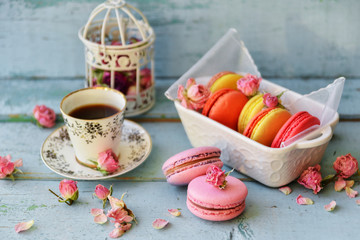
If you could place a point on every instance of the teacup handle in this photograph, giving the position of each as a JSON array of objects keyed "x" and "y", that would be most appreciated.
[{"x": 326, "y": 135}]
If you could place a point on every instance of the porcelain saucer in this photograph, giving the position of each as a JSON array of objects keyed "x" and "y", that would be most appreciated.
[{"x": 58, "y": 154}]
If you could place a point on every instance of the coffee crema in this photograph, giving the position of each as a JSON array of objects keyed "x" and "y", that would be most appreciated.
[{"x": 93, "y": 111}]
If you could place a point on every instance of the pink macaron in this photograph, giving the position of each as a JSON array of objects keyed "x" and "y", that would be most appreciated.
[
  {"x": 209, "y": 202},
  {"x": 183, "y": 167}
]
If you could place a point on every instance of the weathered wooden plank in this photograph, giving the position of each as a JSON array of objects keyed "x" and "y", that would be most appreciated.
[
  {"x": 286, "y": 38},
  {"x": 20, "y": 96},
  {"x": 24, "y": 140},
  {"x": 269, "y": 214}
]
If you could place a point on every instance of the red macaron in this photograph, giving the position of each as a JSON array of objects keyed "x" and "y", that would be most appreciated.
[
  {"x": 294, "y": 127},
  {"x": 224, "y": 106}
]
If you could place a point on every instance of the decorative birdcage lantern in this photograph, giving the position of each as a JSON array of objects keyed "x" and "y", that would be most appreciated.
[{"x": 119, "y": 53}]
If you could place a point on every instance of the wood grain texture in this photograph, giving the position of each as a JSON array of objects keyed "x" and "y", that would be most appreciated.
[
  {"x": 310, "y": 38},
  {"x": 269, "y": 214}
]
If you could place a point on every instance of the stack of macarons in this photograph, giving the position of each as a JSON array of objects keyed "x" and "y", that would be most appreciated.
[
  {"x": 204, "y": 199},
  {"x": 250, "y": 116}
]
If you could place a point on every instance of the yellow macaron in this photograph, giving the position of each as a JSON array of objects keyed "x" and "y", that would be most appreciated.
[
  {"x": 225, "y": 79},
  {"x": 251, "y": 108}
]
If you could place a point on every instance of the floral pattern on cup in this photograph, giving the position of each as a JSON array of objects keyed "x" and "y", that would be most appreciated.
[{"x": 92, "y": 130}]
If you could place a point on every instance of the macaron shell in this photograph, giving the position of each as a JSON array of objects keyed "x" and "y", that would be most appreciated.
[
  {"x": 266, "y": 124},
  {"x": 211, "y": 203},
  {"x": 251, "y": 108},
  {"x": 185, "y": 175},
  {"x": 181, "y": 168},
  {"x": 298, "y": 123},
  {"x": 216, "y": 77},
  {"x": 228, "y": 80},
  {"x": 225, "y": 106}
]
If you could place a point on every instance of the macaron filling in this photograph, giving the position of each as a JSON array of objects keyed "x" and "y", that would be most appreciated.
[
  {"x": 209, "y": 206},
  {"x": 190, "y": 164}
]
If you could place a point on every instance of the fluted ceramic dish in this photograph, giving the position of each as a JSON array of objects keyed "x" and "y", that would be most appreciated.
[{"x": 273, "y": 167}]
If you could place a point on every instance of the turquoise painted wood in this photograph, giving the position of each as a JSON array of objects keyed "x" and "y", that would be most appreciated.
[
  {"x": 269, "y": 213},
  {"x": 287, "y": 38}
]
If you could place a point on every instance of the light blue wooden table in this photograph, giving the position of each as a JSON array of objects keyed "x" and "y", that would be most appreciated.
[
  {"x": 269, "y": 214},
  {"x": 301, "y": 45}
]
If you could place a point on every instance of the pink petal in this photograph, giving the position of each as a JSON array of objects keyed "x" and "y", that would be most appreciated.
[
  {"x": 286, "y": 190},
  {"x": 350, "y": 183},
  {"x": 174, "y": 212},
  {"x": 117, "y": 232},
  {"x": 358, "y": 202},
  {"x": 100, "y": 219},
  {"x": 340, "y": 184},
  {"x": 159, "y": 223},
  {"x": 331, "y": 206},
  {"x": 23, "y": 226},
  {"x": 18, "y": 163},
  {"x": 96, "y": 211},
  {"x": 350, "y": 192},
  {"x": 303, "y": 200}
]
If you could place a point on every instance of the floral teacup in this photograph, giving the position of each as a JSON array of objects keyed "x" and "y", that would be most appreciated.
[{"x": 91, "y": 136}]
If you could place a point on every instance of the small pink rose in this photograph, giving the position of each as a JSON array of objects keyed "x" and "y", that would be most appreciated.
[
  {"x": 340, "y": 184},
  {"x": 107, "y": 162},
  {"x": 159, "y": 223},
  {"x": 7, "y": 168},
  {"x": 303, "y": 200},
  {"x": 174, "y": 212},
  {"x": 23, "y": 226},
  {"x": 44, "y": 116},
  {"x": 101, "y": 192},
  {"x": 193, "y": 96},
  {"x": 270, "y": 101},
  {"x": 120, "y": 215},
  {"x": 69, "y": 189},
  {"x": 331, "y": 206},
  {"x": 346, "y": 165},
  {"x": 249, "y": 84},
  {"x": 286, "y": 190},
  {"x": 116, "y": 203},
  {"x": 215, "y": 176},
  {"x": 311, "y": 178}
]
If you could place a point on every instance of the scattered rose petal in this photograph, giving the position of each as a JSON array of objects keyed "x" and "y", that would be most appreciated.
[
  {"x": 23, "y": 226},
  {"x": 303, "y": 200},
  {"x": 174, "y": 212},
  {"x": 350, "y": 183},
  {"x": 358, "y": 202},
  {"x": 340, "y": 184},
  {"x": 350, "y": 192},
  {"x": 159, "y": 223},
  {"x": 100, "y": 219},
  {"x": 96, "y": 211},
  {"x": 286, "y": 190},
  {"x": 331, "y": 206},
  {"x": 117, "y": 232}
]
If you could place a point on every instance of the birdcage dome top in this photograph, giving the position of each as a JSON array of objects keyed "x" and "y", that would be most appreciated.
[{"x": 116, "y": 25}]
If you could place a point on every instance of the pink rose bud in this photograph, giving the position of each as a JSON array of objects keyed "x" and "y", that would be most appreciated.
[
  {"x": 7, "y": 168},
  {"x": 346, "y": 165},
  {"x": 270, "y": 101},
  {"x": 215, "y": 176},
  {"x": 249, "y": 84},
  {"x": 193, "y": 96},
  {"x": 107, "y": 162},
  {"x": 101, "y": 192},
  {"x": 44, "y": 116},
  {"x": 311, "y": 178},
  {"x": 69, "y": 189}
]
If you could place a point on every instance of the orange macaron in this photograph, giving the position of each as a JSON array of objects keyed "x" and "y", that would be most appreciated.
[
  {"x": 264, "y": 126},
  {"x": 224, "y": 106}
]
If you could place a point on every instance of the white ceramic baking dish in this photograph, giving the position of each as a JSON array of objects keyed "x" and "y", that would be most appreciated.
[{"x": 273, "y": 167}]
